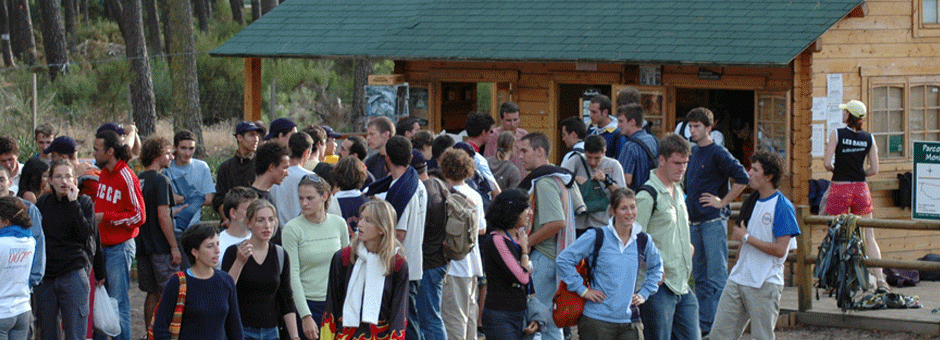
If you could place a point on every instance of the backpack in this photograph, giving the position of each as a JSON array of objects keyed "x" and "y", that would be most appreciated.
[
  {"x": 482, "y": 186},
  {"x": 930, "y": 275},
  {"x": 653, "y": 193},
  {"x": 840, "y": 266},
  {"x": 460, "y": 232}
]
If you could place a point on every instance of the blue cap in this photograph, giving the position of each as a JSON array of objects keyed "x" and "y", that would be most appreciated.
[
  {"x": 246, "y": 126},
  {"x": 279, "y": 126},
  {"x": 466, "y": 147},
  {"x": 417, "y": 160},
  {"x": 62, "y": 144},
  {"x": 330, "y": 133},
  {"x": 111, "y": 126}
]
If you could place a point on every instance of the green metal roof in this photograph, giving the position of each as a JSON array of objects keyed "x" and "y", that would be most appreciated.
[{"x": 734, "y": 32}]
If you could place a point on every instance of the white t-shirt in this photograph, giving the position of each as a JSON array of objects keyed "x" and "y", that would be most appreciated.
[
  {"x": 15, "y": 265},
  {"x": 285, "y": 196},
  {"x": 471, "y": 265},
  {"x": 412, "y": 221},
  {"x": 771, "y": 218},
  {"x": 226, "y": 240}
]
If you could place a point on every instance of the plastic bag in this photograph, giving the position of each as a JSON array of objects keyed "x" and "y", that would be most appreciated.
[{"x": 106, "y": 313}]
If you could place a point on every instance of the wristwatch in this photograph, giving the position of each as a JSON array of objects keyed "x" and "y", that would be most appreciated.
[
  {"x": 607, "y": 180},
  {"x": 744, "y": 238}
]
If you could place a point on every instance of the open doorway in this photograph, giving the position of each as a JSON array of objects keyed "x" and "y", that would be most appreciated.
[
  {"x": 460, "y": 99},
  {"x": 734, "y": 116},
  {"x": 571, "y": 99}
]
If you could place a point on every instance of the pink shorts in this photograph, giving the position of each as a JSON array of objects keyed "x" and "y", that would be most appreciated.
[{"x": 847, "y": 197}]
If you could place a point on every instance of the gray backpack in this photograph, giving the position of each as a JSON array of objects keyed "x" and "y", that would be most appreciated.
[{"x": 461, "y": 228}]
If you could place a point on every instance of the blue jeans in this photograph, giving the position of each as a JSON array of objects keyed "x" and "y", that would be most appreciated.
[
  {"x": 543, "y": 278},
  {"x": 429, "y": 304},
  {"x": 118, "y": 259},
  {"x": 668, "y": 316},
  {"x": 413, "y": 327},
  {"x": 316, "y": 312},
  {"x": 66, "y": 294},
  {"x": 503, "y": 324},
  {"x": 709, "y": 267},
  {"x": 252, "y": 333}
]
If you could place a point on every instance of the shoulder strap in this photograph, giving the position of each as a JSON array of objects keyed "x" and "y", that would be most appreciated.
[
  {"x": 280, "y": 258},
  {"x": 178, "y": 312},
  {"x": 641, "y": 239},
  {"x": 347, "y": 255},
  {"x": 587, "y": 171},
  {"x": 649, "y": 153},
  {"x": 598, "y": 243},
  {"x": 653, "y": 193}
]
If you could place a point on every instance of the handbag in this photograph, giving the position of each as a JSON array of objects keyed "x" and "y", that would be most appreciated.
[
  {"x": 592, "y": 192},
  {"x": 177, "y": 312},
  {"x": 567, "y": 306}
]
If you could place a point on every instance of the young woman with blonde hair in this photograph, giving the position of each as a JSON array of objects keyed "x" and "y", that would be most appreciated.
[{"x": 367, "y": 296}]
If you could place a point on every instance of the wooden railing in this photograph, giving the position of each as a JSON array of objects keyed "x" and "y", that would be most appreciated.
[{"x": 805, "y": 256}]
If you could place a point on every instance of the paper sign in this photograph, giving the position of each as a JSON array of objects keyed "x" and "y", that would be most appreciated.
[
  {"x": 834, "y": 98},
  {"x": 819, "y": 140},
  {"x": 820, "y": 105}
]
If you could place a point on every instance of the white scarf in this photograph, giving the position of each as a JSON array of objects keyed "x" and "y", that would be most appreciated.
[{"x": 364, "y": 290}]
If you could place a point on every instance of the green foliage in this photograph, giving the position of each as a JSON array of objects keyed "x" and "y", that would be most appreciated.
[{"x": 16, "y": 103}]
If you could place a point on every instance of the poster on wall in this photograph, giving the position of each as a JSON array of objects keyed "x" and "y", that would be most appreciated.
[
  {"x": 651, "y": 75},
  {"x": 386, "y": 100},
  {"x": 834, "y": 98}
]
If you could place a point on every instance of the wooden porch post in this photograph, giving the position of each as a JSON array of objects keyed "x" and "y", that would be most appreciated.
[
  {"x": 252, "y": 89},
  {"x": 804, "y": 268}
]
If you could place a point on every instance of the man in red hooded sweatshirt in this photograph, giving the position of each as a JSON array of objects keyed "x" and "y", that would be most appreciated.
[{"x": 119, "y": 208}]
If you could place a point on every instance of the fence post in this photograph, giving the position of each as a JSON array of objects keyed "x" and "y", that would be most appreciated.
[
  {"x": 34, "y": 106},
  {"x": 804, "y": 268}
]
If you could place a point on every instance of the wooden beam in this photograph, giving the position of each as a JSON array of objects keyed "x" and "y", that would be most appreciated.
[
  {"x": 252, "y": 89},
  {"x": 860, "y": 11}
]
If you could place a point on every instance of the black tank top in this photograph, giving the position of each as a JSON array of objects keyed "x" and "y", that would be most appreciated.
[{"x": 851, "y": 150}]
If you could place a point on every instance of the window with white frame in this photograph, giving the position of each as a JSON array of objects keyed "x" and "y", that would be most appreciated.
[{"x": 903, "y": 110}]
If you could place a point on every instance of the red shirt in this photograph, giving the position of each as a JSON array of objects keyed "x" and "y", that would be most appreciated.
[{"x": 122, "y": 203}]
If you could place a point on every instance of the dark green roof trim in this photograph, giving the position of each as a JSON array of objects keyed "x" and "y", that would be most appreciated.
[{"x": 728, "y": 32}]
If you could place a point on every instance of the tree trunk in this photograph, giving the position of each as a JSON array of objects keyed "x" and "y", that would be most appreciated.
[
  {"x": 5, "y": 48},
  {"x": 167, "y": 28},
  {"x": 116, "y": 12},
  {"x": 185, "y": 81},
  {"x": 69, "y": 11},
  {"x": 154, "y": 46},
  {"x": 53, "y": 37},
  {"x": 21, "y": 32},
  {"x": 83, "y": 7},
  {"x": 142, "y": 97},
  {"x": 267, "y": 6},
  {"x": 201, "y": 8},
  {"x": 255, "y": 9},
  {"x": 362, "y": 70},
  {"x": 237, "y": 11}
]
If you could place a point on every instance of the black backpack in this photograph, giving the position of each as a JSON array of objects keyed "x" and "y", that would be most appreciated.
[
  {"x": 654, "y": 162},
  {"x": 653, "y": 193}
]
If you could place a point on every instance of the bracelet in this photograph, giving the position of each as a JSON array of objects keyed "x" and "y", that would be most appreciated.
[
  {"x": 525, "y": 254},
  {"x": 744, "y": 238}
]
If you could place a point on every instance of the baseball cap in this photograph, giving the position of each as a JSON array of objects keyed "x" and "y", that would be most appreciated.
[
  {"x": 62, "y": 145},
  {"x": 856, "y": 108},
  {"x": 466, "y": 147},
  {"x": 330, "y": 133},
  {"x": 111, "y": 126},
  {"x": 418, "y": 161},
  {"x": 247, "y": 126},
  {"x": 279, "y": 126}
]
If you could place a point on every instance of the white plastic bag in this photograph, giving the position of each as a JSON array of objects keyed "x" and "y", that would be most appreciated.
[{"x": 106, "y": 313}]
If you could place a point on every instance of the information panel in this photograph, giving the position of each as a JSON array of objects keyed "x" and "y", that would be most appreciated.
[{"x": 925, "y": 189}]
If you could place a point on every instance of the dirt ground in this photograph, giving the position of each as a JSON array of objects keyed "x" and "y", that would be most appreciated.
[{"x": 791, "y": 333}]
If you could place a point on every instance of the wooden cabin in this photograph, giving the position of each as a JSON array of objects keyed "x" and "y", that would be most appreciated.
[{"x": 758, "y": 64}]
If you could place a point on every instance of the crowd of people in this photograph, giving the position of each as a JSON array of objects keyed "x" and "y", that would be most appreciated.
[{"x": 326, "y": 237}]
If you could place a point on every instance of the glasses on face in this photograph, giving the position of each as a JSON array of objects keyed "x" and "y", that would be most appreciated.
[{"x": 61, "y": 177}]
